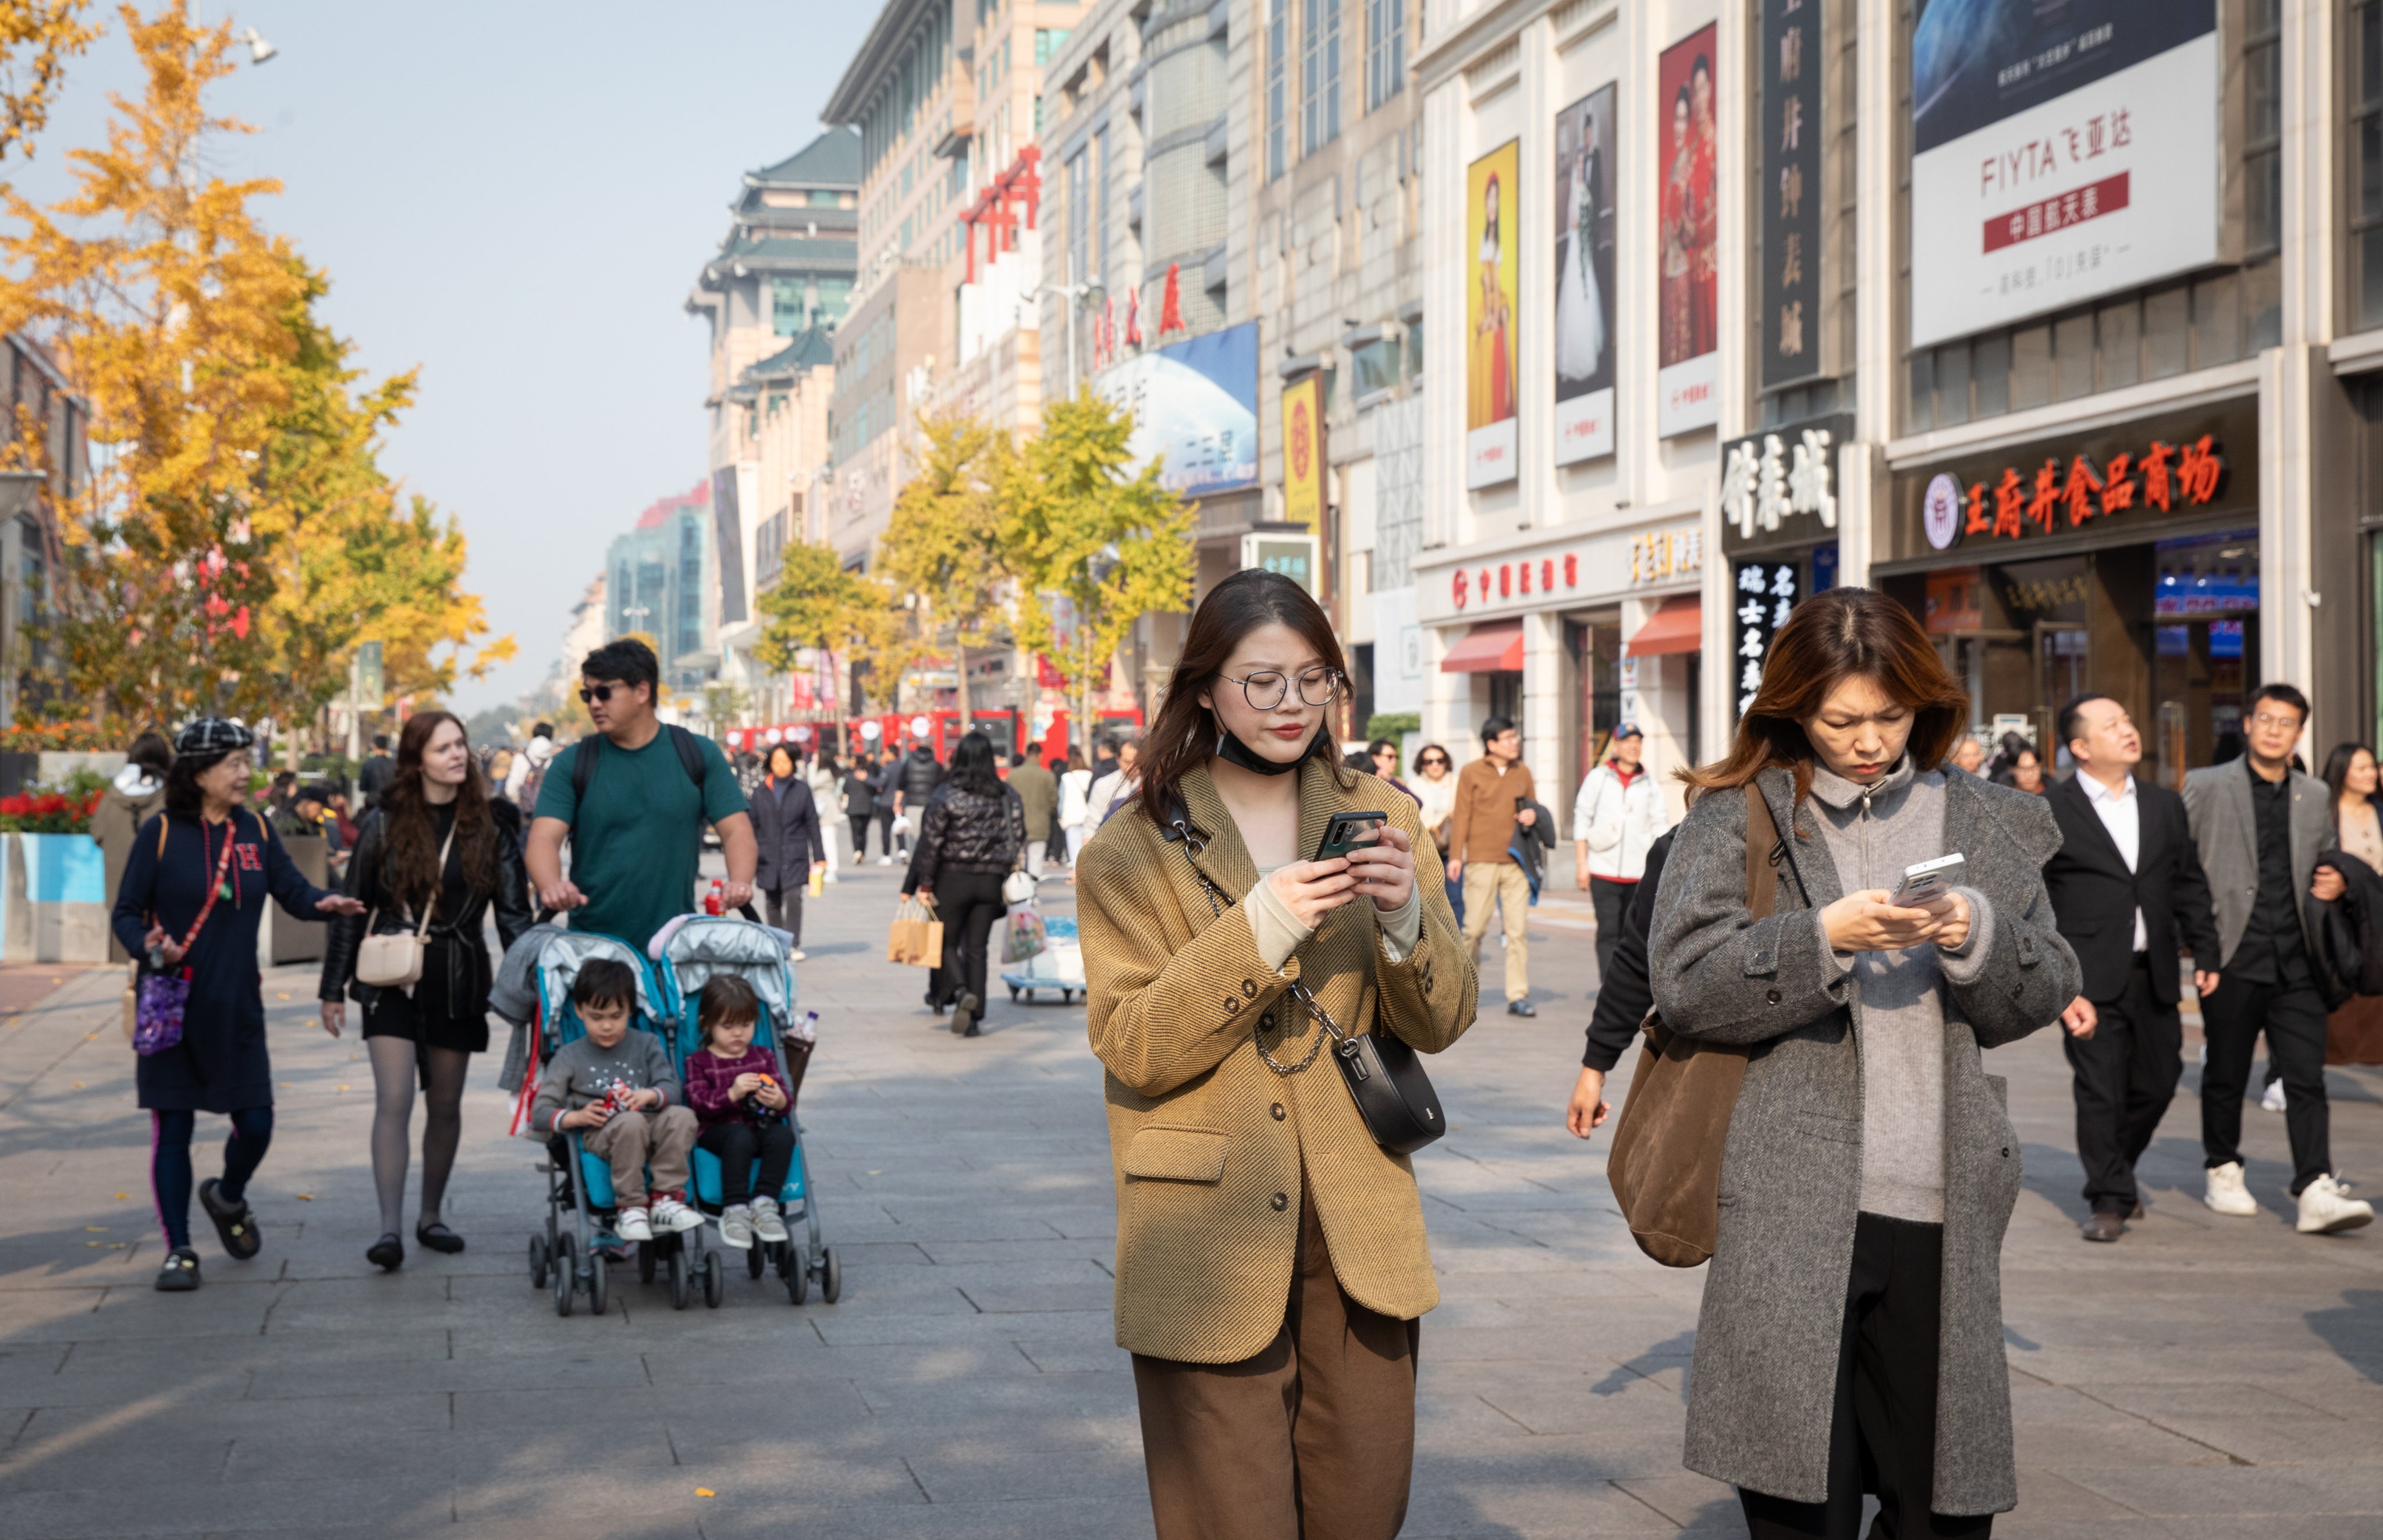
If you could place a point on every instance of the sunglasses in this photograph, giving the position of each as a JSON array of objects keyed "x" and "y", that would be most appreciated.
[
  {"x": 1428, "y": 763},
  {"x": 597, "y": 692}
]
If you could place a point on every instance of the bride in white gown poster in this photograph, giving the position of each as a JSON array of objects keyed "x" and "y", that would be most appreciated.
[{"x": 1584, "y": 234}]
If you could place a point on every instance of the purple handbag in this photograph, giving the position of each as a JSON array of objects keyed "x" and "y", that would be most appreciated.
[{"x": 162, "y": 997}]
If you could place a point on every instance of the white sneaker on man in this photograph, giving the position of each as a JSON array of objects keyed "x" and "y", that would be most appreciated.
[
  {"x": 797, "y": 955},
  {"x": 671, "y": 1214},
  {"x": 767, "y": 1224},
  {"x": 632, "y": 1225},
  {"x": 2324, "y": 1210},
  {"x": 736, "y": 1227},
  {"x": 2227, "y": 1192},
  {"x": 2273, "y": 1100}
]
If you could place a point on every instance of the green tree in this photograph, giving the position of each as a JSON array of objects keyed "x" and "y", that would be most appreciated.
[
  {"x": 816, "y": 604},
  {"x": 1078, "y": 525},
  {"x": 942, "y": 550}
]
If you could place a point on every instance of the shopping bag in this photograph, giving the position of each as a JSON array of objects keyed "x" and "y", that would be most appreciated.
[
  {"x": 1026, "y": 933},
  {"x": 916, "y": 938}
]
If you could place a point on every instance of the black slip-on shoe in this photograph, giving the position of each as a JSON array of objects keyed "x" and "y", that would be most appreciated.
[
  {"x": 181, "y": 1273},
  {"x": 235, "y": 1225},
  {"x": 387, "y": 1253},
  {"x": 439, "y": 1238}
]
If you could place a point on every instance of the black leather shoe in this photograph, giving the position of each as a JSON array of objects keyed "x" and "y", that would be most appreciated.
[
  {"x": 387, "y": 1253},
  {"x": 964, "y": 1015},
  {"x": 1521, "y": 1007},
  {"x": 2105, "y": 1225},
  {"x": 439, "y": 1238}
]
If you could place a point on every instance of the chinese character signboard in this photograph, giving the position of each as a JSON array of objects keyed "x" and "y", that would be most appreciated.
[
  {"x": 1490, "y": 315},
  {"x": 1779, "y": 486},
  {"x": 1666, "y": 558},
  {"x": 1303, "y": 452},
  {"x": 2058, "y": 153},
  {"x": 1788, "y": 68},
  {"x": 1765, "y": 594},
  {"x": 1687, "y": 387},
  {"x": 1585, "y": 163},
  {"x": 2202, "y": 463}
]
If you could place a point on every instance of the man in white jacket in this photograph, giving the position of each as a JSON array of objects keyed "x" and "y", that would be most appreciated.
[{"x": 1618, "y": 814}]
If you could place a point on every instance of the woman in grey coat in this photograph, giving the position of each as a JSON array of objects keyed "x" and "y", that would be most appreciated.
[{"x": 1851, "y": 1334}]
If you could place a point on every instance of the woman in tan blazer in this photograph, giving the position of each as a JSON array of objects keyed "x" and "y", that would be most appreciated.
[{"x": 1271, "y": 1261}]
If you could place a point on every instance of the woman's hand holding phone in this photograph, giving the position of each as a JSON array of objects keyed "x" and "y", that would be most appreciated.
[
  {"x": 1868, "y": 920},
  {"x": 1385, "y": 870},
  {"x": 1311, "y": 890}
]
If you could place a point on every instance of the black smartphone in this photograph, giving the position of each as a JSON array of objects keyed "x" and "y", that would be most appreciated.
[{"x": 1346, "y": 831}]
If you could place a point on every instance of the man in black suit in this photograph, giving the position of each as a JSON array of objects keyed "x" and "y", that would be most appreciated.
[{"x": 2128, "y": 889}]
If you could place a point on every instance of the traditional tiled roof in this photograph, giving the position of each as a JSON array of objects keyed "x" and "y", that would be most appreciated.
[{"x": 831, "y": 160}]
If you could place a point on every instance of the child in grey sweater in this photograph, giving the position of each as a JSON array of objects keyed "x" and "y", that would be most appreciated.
[{"x": 616, "y": 1088}]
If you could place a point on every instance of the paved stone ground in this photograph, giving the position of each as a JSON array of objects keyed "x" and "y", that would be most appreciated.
[{"x": 2206, "y": 1377}]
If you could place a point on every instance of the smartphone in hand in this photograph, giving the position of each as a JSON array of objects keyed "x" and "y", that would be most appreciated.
[
  {"x": 1347, "y": 831},
  {"x": 1926, "y": 881}
]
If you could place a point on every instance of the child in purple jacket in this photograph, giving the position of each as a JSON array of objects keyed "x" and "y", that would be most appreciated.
[{"x": 743, "y": 1105}]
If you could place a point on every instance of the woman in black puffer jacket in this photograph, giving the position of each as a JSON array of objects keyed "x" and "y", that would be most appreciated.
[{"x": 973, "y": 836}]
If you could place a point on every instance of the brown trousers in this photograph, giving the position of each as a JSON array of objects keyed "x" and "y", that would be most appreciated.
[{"x": 1313, "y": 1439}]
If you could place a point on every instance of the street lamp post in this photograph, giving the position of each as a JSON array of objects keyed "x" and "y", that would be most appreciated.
[{"x": 1075, "y": 294}]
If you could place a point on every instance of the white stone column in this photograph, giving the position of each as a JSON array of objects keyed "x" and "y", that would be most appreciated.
[{"x": 1542, "y": 701}]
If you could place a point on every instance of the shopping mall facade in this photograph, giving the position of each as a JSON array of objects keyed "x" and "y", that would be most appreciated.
[{"x": 2061, "y": 324}]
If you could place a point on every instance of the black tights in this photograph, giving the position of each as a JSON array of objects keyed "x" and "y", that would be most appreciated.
[
  {"x": 395, "y": 1067},
  {"x": 169, "y": 1163}
]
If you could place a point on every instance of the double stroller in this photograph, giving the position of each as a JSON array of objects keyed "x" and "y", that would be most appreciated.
[{"x": 573, "y": 1252}]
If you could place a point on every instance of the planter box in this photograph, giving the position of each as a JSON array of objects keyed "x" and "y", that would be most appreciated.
[{"x": 53, "y": 899}]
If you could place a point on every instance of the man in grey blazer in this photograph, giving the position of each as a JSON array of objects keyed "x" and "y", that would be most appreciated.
[{"x": 2259, "y": 825}]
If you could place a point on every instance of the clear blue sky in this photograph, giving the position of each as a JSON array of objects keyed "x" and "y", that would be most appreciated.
[{"x": 517, "y": 199}]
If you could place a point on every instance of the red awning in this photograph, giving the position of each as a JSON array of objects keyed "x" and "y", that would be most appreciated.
[
  {"x": 1678, "y": 626},
  {"x": 1494, "y": 647}
]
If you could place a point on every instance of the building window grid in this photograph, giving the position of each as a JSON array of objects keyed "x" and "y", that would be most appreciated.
[
  {"x": 1386, "y": 51},
  {"x": 2263, "y": 126},
  {"x": 1319, "y": 76},
  {"x": 2367, "y": 213},
  {"x": 1277, "y": 83}
]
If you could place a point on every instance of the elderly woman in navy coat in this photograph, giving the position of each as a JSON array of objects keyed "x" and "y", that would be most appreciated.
[
  {"x": 206, "y": 840},
  {"x": 787, "y": 826}
]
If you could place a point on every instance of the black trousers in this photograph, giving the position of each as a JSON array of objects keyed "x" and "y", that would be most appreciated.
[
  {"x": 968, "y": 903},
  {"x": 2293, "y": 1018},
  {"x": 1882, "y": 1432},
  {"x": 859, "y": 823},
  {"x": 2124, "y": 1076},
  {"x": 785, "y": 906},
  {"x": 1611, "y": 901},
  {"x": 736, "y": 1144}
]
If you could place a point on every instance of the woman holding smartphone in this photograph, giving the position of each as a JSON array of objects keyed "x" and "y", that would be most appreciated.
[
  {"x": 1271, "y": 1262},
  {"x": 1851, "y": 1332}
]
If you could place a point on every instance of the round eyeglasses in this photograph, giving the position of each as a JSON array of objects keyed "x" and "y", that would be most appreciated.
[{"x": 1267, "y": 689}]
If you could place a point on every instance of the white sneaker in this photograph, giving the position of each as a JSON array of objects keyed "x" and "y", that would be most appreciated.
[
  {"x": 2273, "y": 1100},
  {"x": 2227, "y": 1194},
  {"x": 2323, "y": 1210},
  {"x": 797, "y": 955},
  {"x": 671, "y": 1214},
  {"x": 766, "y": 1221},
  {"x": 632, "y": 1226},
  {"x": 736, "y": 1227},
  {"x": 885, "y": 860}
]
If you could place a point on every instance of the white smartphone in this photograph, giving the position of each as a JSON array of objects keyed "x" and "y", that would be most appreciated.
[{"x": 1927, "y": 882}]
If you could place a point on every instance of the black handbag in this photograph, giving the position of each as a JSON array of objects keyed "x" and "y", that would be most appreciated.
[{"x": 1384, "y": 1076}]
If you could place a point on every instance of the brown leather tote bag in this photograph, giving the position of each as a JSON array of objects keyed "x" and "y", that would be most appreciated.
[{"x": 1667, "y": 1144}]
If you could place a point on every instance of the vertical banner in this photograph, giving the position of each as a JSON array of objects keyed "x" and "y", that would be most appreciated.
[
  {"x": 1766, "y": 596},
  {"x": 1583, "y": 233},
  {"x": 1303, "y": 452},
  {"x": 1490, "y": 314},
  {"x": 1790, "y": 66},
  {"x": 728, "y": 537},
  {"x": 2058, "y": 153},
  {"x": 1687, "y": 387}
]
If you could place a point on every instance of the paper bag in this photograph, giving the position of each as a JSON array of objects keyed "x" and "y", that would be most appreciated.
[{"x": 915, "y": 938}]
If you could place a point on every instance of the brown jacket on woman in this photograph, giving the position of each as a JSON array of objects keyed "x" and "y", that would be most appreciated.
[{"x": 1209, "y": 1143}]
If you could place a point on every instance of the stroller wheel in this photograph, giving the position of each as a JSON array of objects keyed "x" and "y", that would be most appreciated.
[
  {"x": 715, "y": 1275},
  {"x": 645, "y": 1261},
  {"x": 831, "y": 1276},
  {"x": 563, "y": 1287},
  {"x": 599, "y": 1284},
  {"x": 799, "y": 1278},
  {"x": 538, "y": 1261},
  {"x": 678, "y": 1279},
  {"x": 755, "y": 1261}
]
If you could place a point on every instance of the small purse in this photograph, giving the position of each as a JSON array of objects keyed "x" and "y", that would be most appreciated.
[
  {"x": 394, "y": 961},
  {"x": 159, "y": 999}
]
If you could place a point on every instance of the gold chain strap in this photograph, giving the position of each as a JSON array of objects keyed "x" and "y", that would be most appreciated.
[{"x": 1192, "y": 846}]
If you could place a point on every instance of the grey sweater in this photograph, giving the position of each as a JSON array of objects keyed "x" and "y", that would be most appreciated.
[
  {"x": 580, "y": 1073},
  {"x": 1872, "y": 833}
]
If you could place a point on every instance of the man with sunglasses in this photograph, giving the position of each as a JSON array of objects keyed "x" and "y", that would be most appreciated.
[{"x": 636, "y": 816}]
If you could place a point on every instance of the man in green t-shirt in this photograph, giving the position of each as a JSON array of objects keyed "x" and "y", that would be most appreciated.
[{"x": 636, "y": 834}]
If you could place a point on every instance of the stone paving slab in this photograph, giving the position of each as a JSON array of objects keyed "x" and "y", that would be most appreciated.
[{"x": 2205, "y": 1377}]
